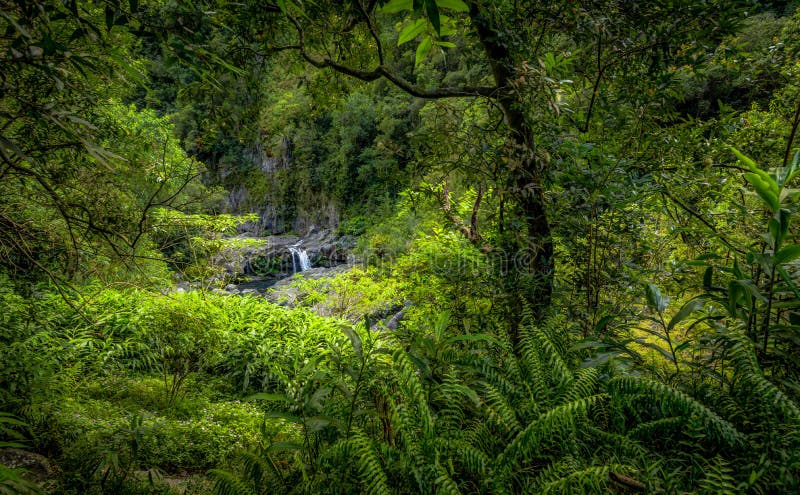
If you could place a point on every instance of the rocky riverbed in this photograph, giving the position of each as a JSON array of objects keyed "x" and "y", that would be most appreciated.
[
  {"x": 275, "y": 257},
  {"x": 267, "y": 265}
]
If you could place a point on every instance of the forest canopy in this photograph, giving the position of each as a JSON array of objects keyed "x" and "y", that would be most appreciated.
[{"x": 399, "y": 246}]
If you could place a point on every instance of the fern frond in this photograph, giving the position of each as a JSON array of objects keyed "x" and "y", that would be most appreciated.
[
  {"x": 484, "y": 438},
  {"x": 664, "y": 394},
  {"x": 534, "y": 380},
  {"x": 744, "y": 358},
  {"x": 473, "y": 459},
  {"x": 585, "y": 384},
  {"x": 589, "y": 480},
  {"x": 622, "y": 444},
  {"x": 405, "y": 426},
  {"x": 444, "y": 483},
  {"x": 559, "y": 370},
  {"x": 499, "y": 380},
  {"x": 369, "y": 466},
  {"x": 227, "y": 483},
  {"x": 658, "y": 427},
  {"x": 12, "y": 483},
  {"x": 413, "y": 391},
  {"x": 551, "y": 424},
  {"x": 719, "y": 479},
  {"x": 500, "y": 411},
  {"x": 455, "y": 399},
  {"x": 257, "y": 468}
]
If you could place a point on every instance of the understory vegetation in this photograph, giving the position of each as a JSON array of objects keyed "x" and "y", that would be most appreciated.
[{"x": 572, "y": 260}]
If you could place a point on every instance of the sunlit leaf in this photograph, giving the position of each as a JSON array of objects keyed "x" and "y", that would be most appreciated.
[
  {"x": 423, "y": 50},
  {"x": 456, "y": 5},
  {"x": 411, "y": 31},
  {"x": 396, "y": 6}
]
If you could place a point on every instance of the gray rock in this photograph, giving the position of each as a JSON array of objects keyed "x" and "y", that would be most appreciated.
[{"x": 273, "y": 258}]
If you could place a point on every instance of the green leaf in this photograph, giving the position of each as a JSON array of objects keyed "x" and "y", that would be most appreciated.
[
  {"x": 396, "y": 6},
  {"x": 475, "y": 337},
  {"x": 283, "y": 446},
  {"x": 21, "y": 30},
  {"x": 750, "y": 287},
  {"x": 445, "y": 44},
  {"x": 794, "y": 168},
  {"x": 764, "y": 189},
  {"x": 654, "y": 298},
  {"x": 432, "y": 10},
  {"x": 423, "y": 50},
  {"x": 603, "y": 323},
  {"x": 789, "y": 282},
  {"x": 316, "y": 424},
  {"x": 355, "y": 339},
  {"x": 109, "y": 18},
  {"x": 265, "y": 396},
  {"x": 685, "y": 311},
  {"x": 747, "y": 161},
  {"x": 283, "y": 415},
  {"x": 658, "y": 348},
  {"x": 787, "y": 254},
  {"x": 456, "y": 5},
  {"x": 411, "y": 31},
  {"x": 707, "y": 277}
]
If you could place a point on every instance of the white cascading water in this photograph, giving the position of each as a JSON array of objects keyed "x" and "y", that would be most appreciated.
[{"x": 299, "y": 260}]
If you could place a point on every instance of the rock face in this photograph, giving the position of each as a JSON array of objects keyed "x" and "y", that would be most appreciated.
[
  {"x": 38, "y": 468},
  {"x": 262, "y": 261}
]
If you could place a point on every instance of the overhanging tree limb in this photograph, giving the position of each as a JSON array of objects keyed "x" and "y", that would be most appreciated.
[{"x": 382, "y": 71}]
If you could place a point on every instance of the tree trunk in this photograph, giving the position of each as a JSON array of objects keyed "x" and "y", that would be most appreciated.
[{"x": 531, "y": 260}]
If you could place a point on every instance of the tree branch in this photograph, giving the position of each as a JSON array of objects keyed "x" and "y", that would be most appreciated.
[
  {"x": 702, "y": 220},
  {"x": 382, "y": 71},
  {"x": 366, "y": 12}
]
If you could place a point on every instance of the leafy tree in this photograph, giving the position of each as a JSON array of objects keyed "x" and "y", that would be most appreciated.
[
  {"x": 551, "y": 69},
  {"x": 81, "y": 173}
]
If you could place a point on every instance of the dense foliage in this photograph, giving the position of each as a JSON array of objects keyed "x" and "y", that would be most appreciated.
[{"x": 574, "y": 261}]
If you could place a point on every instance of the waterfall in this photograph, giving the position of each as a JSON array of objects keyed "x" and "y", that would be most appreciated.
[{"x": 299, "y": 260}]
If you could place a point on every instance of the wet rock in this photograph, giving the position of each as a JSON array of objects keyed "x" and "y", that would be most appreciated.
[
  {"x": 39, "y": 468},
  {"x": 272, "y": 257}
]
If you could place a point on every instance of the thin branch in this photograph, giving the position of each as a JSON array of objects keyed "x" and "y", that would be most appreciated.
[
  {"x": 381, "y": 71},
  {"x": 699, "y": 217},
  {"x": 372, "y": 30}
]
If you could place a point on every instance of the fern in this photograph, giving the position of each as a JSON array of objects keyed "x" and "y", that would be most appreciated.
[
  {"x": 551, "y": 425},
  {"x": 444, "y": 483},
  {"x": 658, "y": 392},
  {"x": 475, "y": 460},
  {"x": 584, "y": 385},
  {"x": 227, "y": 483},
  {"x": 742, "y": 355},
  {"x": 410, "y": 384},
  {"x": 623, "y": 445},
  {"x": 560, "y": 373},
  {"x": 369, "y": 466},
  {"x": 719, "y": 479},
  {"x": 593, "y": 479},
  {"x": 500, "y": 411},
  {"x": 662, "y": 426}
]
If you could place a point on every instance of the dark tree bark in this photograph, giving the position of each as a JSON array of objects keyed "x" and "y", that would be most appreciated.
[
  {"x": 527, "y": 263},
  {"x": 532, "y": 261}
]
